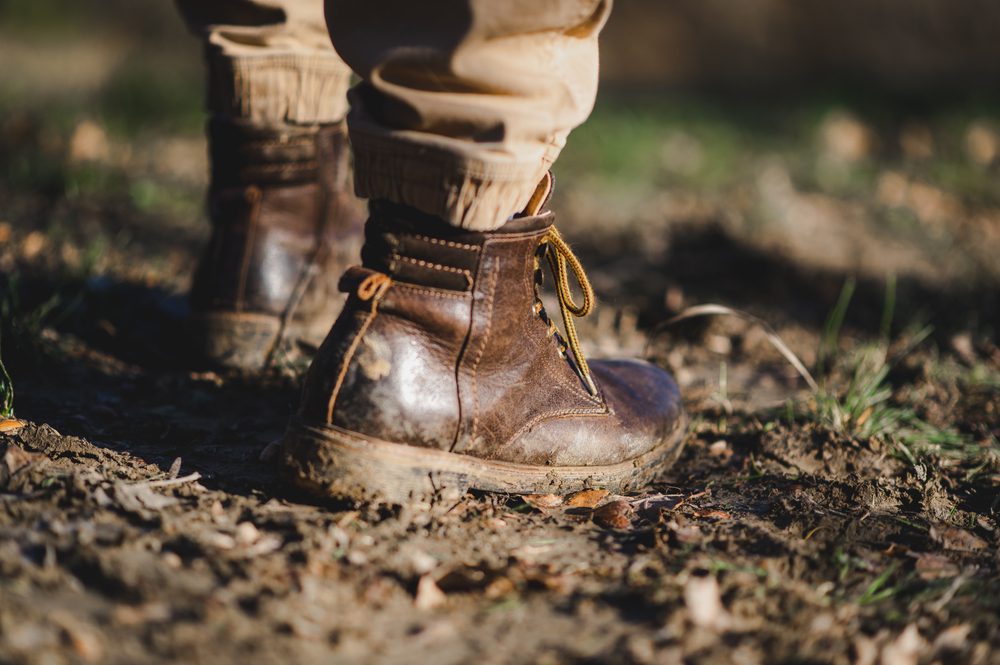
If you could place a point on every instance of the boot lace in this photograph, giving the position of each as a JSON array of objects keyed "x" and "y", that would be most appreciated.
[{"x": 561, "y": 261}]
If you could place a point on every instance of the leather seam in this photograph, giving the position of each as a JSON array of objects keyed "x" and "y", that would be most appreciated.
[
  {"x": 435, "y": 266},
  {"x": 348, "y": 357},
  {"x": 448, "y": 243},
  {"x": 553, "y": 415},
  {"x": 481, "y": 351},
  {"x": 254, "y": 194},
  {"x": 433, "y": 292}
]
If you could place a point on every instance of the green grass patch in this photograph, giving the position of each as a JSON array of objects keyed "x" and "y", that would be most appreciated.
[{"x": 864, "y": 407}]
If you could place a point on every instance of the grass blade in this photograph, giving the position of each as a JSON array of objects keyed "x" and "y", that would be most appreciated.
[
  {"x": 712, "y": 309},
  {"x": 6, "y": 388}
]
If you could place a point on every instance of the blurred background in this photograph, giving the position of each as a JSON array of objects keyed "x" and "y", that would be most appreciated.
[{"x": 757, "y": 153}]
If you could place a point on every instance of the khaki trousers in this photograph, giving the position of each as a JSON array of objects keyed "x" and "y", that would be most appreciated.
[{"x": 462, "y": 107}]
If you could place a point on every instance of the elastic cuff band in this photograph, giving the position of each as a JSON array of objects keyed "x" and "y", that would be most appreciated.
[{"x": 273, "y": 89}]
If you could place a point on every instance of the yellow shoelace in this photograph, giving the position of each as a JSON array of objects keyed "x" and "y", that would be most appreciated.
[{"x": 560, "y": 256}]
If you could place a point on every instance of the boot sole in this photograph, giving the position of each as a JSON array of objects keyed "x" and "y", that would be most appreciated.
[
  {"x": 236, "y": 340},
  {"x": 248, "y": 341},
  {"x": 330, "y": 462}
]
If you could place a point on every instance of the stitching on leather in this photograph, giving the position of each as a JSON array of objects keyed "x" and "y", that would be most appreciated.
[
  {"x": 448, "y": 243},
  {"x": 433, "y": 292},
  {"x": 552, "y": 415},
  {"x": 376, "y": 294},
  {"x": 434, "y": 266},
  {"x": 348, "y": 356},
  {"x": 482, "y": 349}
]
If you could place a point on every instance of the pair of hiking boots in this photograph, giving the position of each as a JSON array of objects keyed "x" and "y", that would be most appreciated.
[{"x": 443, "y": 371}]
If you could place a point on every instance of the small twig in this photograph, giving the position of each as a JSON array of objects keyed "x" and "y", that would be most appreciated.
[{"x": 171, "y": 482}]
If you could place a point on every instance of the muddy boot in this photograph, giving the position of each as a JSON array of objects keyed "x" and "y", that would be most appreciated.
[
  {"x": 285, "y": 225},
  {"x": 444, "y": 373}
]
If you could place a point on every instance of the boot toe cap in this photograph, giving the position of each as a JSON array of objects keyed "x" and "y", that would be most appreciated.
[{"x": 644, "y": 412}]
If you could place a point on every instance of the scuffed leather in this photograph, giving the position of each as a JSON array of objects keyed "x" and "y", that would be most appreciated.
[{"x": 466, "y": 365}]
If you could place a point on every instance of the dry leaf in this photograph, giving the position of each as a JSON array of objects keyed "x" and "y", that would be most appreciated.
[
  {"x": 614, "y": 515},
  {"x": 935, "y": 566},
  {"x": 960, "y": 540},
  {"x": 654, "y": 503},
  {"x": 429, "y": 595},
  {"x": 543, "y": 501},
  {"x": 713, "y": 514},
  {"x": 586, "y": 498},
  {"x": 11, "y": 425}
]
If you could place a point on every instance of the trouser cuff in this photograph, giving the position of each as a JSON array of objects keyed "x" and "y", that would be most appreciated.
[
  {"x": 465, "y": 191},
  {"x": 272, "y": 89}
]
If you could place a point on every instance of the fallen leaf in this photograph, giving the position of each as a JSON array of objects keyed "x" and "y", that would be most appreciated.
[
  {"x": 543, "y": 501},
  {"x": 935, "y": 566},
  {"x": 654, "y": 503},
  {"x": 614, "y": 515},
  {"x": 586, "y": 498},
  {"x": 429, "y": 595},
  {"x": 11, "y": 425},
  {"x": 713, "y": 514},
  {"x": 954, "y": 538}
]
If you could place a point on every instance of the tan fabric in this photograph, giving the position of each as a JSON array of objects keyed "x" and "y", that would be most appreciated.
[
  {"x": 465, "y": 103},
  {"x": 269, "y": 61}
]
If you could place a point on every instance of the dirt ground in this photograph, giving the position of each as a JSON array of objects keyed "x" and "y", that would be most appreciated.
[{"x": 856, "y": 523}]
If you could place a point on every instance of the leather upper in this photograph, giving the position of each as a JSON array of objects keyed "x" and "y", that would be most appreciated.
[
  {"x": 285, "y": 220},
  {"x": 451, "y": 354}
]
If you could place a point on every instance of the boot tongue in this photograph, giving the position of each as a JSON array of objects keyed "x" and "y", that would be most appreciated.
[{"x": 538, "y": 200}]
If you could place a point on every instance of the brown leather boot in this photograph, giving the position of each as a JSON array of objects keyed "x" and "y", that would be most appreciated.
[
  {"x": 285, "y": 225},
  {"x": 444, "y": 373}
]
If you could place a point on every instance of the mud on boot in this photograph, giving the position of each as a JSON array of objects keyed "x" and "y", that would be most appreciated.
[{"x": 444, "y": 373}]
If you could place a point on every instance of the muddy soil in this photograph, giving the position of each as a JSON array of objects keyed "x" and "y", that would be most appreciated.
[
  {"x": 141, "y": 520},
  {"x": 138, "y": 522}
]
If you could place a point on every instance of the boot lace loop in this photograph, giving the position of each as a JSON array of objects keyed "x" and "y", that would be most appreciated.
[{"x": 562, "y": 260}]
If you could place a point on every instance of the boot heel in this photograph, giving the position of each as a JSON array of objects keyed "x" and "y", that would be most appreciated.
[{"x": 236, "y": 340}]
